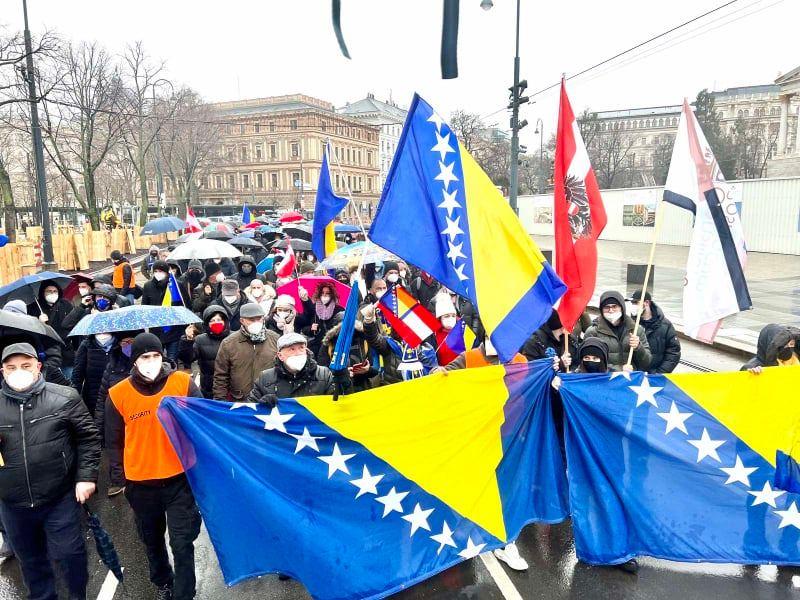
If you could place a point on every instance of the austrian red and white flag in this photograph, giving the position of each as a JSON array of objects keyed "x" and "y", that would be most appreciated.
[
  {"x": 192, "y": 224},
  {"x": 578, "y": 216},
  {"x": 289, "y": 263},
  {"x": 715, "y": 286}
]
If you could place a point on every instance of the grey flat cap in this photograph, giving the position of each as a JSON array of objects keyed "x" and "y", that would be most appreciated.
[
  {"x": 19, "y": 348},
  {"x": 290, "y": 339},
  {"x": 251, "y": 310}
]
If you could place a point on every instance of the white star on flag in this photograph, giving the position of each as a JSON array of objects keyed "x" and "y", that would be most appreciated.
[
  {"x": 455, "y": 252},
  {"x": 275, "y": 421},
  {"x": 367, "y": 484},
  {"x": 739, "y": 472},
  {"x": 418, "y": 519},
  {"x": 445, "y": 538},
  {"x": 452, "y": 230},
  {"x": 446, "y": 174},
  {"x": 706, "y": 446},
  {"x": 236, "y": 405},
  {"x": 645, "y": 393},
  {"x": 449, "y": 203},
  {"x": 336, "y": 461},
  {"x": 623, "y": 374},
  {"x": 767, "y": 495},
  {"x": 790, "y": 516},
  {"x": 392, "y": 501},
  {"x": 306, "y": 440},
  {"x": 442, "y": 147},
  {"x": 437, "y": 120},
  {"x": 472, "y": 550},
  {"x": 460, "y": 273},
  {"x": 675, "y": 419}
]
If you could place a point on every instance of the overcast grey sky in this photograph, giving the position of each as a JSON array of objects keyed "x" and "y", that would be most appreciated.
[{"x": 251, "y": 48}]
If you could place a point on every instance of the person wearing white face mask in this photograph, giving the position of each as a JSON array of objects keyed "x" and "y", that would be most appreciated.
[
  {"x": 446, "y": 314},
  {"x": 231, "y": 298},
  {"x": 295, "y": 374},
  {"x": 326, "y": 307},
  {"x": 156, "y": 488},
  {"x": 53, "y": 309},
  {"x": 51, "y": 450},
  {"x": 615, "y": 328},
  {"x": 262, "y": 294},
  {"x": 90, "y": 364},
  {"x": 243, "y": 355}
]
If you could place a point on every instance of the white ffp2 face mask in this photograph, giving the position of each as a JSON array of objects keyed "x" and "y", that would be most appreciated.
[
  {"x": 51, "y": 298},
  {"x": 613, "y": 317},
  {"x": 149, "y": 368},
  {"x": 448, "y": 322},
  {"x": 20, "y": 380},
  {"x": 296, "y": 363},
  {"x": 255, "y": 328},
  {"x": 159, "y": 276},
  {"x": 393, "y": 278}
]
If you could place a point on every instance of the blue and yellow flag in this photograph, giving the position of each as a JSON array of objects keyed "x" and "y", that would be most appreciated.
[
  {"x": 366, "y": 496},
  {"x": 172, "y": 295},
  {"x": 327, "y": 208},
  {"x": 442, "y": 213},
  {"x": 247, "y": 218},
  {"x": 682, "y": 466}
]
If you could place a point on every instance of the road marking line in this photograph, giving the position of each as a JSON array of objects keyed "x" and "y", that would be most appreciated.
[
  {"x": 109, "y": 587},
  {"x": 501, "y": 578}
]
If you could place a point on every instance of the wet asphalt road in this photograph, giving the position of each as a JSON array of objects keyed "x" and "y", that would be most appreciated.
[{"x": 554, "y": 572}]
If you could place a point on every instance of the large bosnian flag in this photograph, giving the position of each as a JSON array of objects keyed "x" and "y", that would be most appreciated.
[
  {"x": 579, "y": 216},
  {"x": 715, "y": 286}
]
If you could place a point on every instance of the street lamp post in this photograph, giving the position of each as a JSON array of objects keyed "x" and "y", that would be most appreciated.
[
  {"x": 540, "y": 131},
  {"x": 161, "y": 199},
  {"x": 38, "y": 152}
]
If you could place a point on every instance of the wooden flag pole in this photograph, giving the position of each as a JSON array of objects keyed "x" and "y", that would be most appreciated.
[{"x": 656, "y": 231}]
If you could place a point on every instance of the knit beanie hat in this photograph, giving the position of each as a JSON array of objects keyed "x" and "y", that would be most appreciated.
[{"x": 143, "y": 343}]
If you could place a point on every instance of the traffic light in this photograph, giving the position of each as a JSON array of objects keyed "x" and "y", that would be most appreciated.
[{"x": 515, "y": 94}]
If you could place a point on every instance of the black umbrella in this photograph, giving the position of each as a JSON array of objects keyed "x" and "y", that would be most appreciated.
[
  {"x": 297, "y": 245},
  {"x": 244, "y": 242},
  {"x": 217, "y": 235},
  {"x": 297, "y": 232},
  {"x": 13, "y": 324},
  {"x": 105, "y": 545}
]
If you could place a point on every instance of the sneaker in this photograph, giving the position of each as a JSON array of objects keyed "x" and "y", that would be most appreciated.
[
  {"x": 5, "y": 550},
  {"x": 510, "y": 556},
  {"x": 164, "y": 592},
  {"x": 630, "y": 566},
  {"x": 115, "y": 490}
]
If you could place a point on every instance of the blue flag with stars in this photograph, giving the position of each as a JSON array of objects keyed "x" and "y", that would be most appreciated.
[
  {"x": 681, "y": 466},
  {"x": 366, "y": 496}
]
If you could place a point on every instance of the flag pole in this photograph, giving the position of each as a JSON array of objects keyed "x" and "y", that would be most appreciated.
[
  {"x": 656, "y": 230},
  {"x": 349, "y": 195}
]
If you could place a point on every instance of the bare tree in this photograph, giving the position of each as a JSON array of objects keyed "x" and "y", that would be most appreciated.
[
  {"x": 188, "y": 144},
  {"x": 662, "y": 156},
  {"x": 469, "y": 128},
  {"x": 752, "y": 142},
  {"x": 13, "y": 67},
  {"x": 610, "y": 154},
  {"x": 82, "y": 121},
  {"x": 142, "y": 78}
]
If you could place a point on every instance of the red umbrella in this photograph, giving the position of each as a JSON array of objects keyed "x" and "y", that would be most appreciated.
[
  {"x": 252, "y": 225},
  {"x": 310, "y": 283},
  {"x": 291, "y": 217},
  {"x": 72, "y": 288}
]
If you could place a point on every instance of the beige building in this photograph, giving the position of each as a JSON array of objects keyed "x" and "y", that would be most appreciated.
[{"x": 270, "y": 154}]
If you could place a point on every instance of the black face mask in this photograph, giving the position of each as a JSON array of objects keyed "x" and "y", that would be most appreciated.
[
  {"x": 195, "y": 276},
  {"x": 593, "y": 367},
  {"x": 785, "y": 353},
  {"x": 154, "y": 254}
]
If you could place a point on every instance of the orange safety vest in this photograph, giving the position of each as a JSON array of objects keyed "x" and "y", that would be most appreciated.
[
  {"x": 119, "y": 277},
  {"x": 475, "y": 358},
  {"x": 148, "y": 451}
]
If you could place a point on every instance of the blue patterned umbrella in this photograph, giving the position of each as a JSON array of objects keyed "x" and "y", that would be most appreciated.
[
  {"x": 105, "y": 545},
  {"x": 163, "y": 225},
  {"x": 133, "y": 318}
]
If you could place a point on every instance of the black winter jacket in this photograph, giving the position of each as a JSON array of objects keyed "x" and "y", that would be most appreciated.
[
  {"x": 234, "y": 324},
  {"x": 244, "y": 279},
  {"x": 90, "y": 364},
  {"x": 49, "y": 443},
  {"x": 278, "y": 382},
  {"x": 772, "y": 338},
  {"x": 56, "y": 314},
  {"x": 203, "y": 349},
  {"x": 118, "y": 368},
  {"x": 665, "y": 347},
  {"x": 152, "y": 295},
  {"x": 535, "y": 347}
]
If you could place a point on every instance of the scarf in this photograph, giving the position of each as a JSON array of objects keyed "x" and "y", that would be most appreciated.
[
  {"x": 325, "y": 311},
  {"x": 24, "y": 396},
  {"x": 255, "y": 338}
]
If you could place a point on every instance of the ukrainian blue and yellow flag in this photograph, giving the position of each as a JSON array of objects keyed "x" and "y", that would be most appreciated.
[
  {"x": 442, "y": 213},
  {"x": 247, "y": 218},
  {"x": 172, "y": 295},
  {"x": 682, "y": 466},
  {"x": 366, "y": 496},
  {"x": 327, "y": 208}
]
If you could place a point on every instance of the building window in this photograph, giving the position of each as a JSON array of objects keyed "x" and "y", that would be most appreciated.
[
  {"x": 295, "y": 149},
  {"x": 273, "y": 151},
  {"x": 231, "y": 181},
  {"x": 246, "y": 181},
  {"x": 259, "y": 154},
  {"x": 218, "y": 181},
  {"x": 369, "y": 184},
  {"x": 243, "y": 153},
  {"x": 774, "y": 111},
  {"x": 272, "y": 127},
  {"x": 293, "y": 124},
  {"x": 337, "y": 180},
  {"x": 228, "y": 129},
  {"x": 647, "y": 123},
  {"x": 674, "y": 121},
  {"x": 740, "y": 114},
  {"x": 348, "y": 155},
  {"x": 229, "y": 153},
  {"x": 274, "y": 180},
  {"x": 241, "y": 129},
  {"x": 324, "y": 126},
  {"x": 295, "y": 179},
  {"x": 369, "y": 158},
  {"x": 257, "y": 128},
  {"x": 260, "y": 181},
  {"x": 644, "y": 141}
]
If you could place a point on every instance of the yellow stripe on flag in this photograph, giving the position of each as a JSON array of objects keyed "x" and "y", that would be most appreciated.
[
  {"x": 330, "y": 239},
  {"x": 436, "y": 431},
  {"x": 506, "y": 261},
  {"x": 761, "y": 410}
]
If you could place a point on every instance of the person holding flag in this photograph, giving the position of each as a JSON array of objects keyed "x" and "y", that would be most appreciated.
[
  {"x": 453, "y": 336},
  {"x": 163, "y": 290},
  {"x": 327, "y": 207},
  {"x": 247, "y": 218},
  {"x": 578, "y": 217},
  {"x": 288, "y": 264}
]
